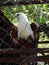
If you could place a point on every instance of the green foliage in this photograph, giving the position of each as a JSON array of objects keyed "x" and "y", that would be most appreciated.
[{"x": 36, "y": 13}]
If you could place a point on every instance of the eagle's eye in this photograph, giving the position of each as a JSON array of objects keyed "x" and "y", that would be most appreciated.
[{"x": 18, "y": 14}]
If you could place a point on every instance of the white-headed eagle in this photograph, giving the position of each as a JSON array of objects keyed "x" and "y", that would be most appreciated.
[{"x": 24, "y": 28}]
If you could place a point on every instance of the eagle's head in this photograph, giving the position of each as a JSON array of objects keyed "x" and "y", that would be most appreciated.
[{"x": 21, "y": 16}]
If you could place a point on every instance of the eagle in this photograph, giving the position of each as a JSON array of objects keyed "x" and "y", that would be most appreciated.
[{"x": 24, "y": 28}]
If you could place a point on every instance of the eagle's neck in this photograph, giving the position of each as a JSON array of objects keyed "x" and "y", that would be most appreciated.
[{"x": 23, "y": 20}]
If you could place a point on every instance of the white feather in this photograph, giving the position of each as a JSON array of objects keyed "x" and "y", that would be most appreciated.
[{"x": 24, "y": 28}]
